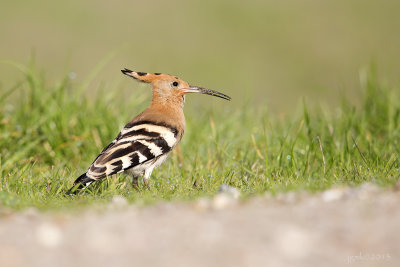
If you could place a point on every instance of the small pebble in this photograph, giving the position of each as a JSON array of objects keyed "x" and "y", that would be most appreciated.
[
  {"x": 333, "y": 194},
  {"x": 225, "y": 197},
  {"x": 229, "y": 190},
  {"x": 31, "y": 212},
  {"x": 118, "y": 202},
  {"x": 367, "y": 190},
  {"x": 49, "y": 235},
  {"x": 290, "y": 197},
  {"x": 293, "y": 242},
  {"x": 202, "y": 204},
  {"x": 221, "y": 201},
  {"x": 396, "y": 186}
]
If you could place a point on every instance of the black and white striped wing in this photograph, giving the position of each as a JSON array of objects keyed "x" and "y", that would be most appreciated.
[{"x": 136, "y": 144}]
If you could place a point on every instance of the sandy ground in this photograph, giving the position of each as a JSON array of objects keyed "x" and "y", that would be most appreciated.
[{"x": 338, "y": 227}]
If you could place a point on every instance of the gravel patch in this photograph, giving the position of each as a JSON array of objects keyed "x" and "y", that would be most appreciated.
[{"x": 340, "y": 226}]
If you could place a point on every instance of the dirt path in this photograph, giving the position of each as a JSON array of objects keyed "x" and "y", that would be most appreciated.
[{"x": 357, "y": 227}]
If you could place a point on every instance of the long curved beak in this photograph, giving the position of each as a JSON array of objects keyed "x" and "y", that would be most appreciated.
[{"x": 196, "y": 89}]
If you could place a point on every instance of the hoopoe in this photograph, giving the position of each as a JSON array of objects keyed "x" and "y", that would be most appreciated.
[{"x": 146, "y": 141}]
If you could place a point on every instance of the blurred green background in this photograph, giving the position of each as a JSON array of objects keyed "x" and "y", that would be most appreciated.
[{"x": 270, "y": 52}]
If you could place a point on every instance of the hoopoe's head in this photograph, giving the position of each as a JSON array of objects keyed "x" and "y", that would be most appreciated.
[{"x": 167, "y": 88}]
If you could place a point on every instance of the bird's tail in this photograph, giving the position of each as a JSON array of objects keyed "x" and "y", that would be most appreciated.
[{"x": 80, "y": 182}]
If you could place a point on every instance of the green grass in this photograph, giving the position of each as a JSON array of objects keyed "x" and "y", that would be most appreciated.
[{"x": 50, "y": 133}]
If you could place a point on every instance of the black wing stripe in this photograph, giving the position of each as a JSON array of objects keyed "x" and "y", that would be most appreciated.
[
  {"x": 134, "y": 159},
  {"x": 98, "y": 169},
  {"x": 119, "y": 153},
  {"x": 117, "y": 163},
  {"x": 117, "y": 169},
  {"x": 143, "y": 149},
  {"x": 106, "y": 148},
  {"x": 142, "y": 132},
  {"x": 161, "y": 143}
]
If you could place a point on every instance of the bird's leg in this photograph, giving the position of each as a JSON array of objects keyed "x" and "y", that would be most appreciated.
[
  {"x": 146, "y": 176},
  {"x": 146, "y": 183},
  {"x": 135, "y": 182}
]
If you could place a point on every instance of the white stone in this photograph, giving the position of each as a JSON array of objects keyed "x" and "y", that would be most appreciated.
[
  {"x": 222, "y": 201},
  {"x": 293, "y": 242},
  {"x": 119, "y": 202},
  {"x": 49, "y": 235},
  {"x": 332, "y": 195},
  {"x": 229, "y": 190},
  {"x": 202, "y": 204}
]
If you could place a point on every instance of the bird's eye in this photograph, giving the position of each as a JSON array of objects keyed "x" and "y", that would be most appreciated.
[{"x": 175, "y": 84}]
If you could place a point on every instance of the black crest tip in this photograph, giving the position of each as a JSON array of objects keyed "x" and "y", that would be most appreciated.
[{"x": 126, "y": 71}]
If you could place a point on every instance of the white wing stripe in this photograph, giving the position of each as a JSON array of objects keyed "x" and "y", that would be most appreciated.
[
  {"x": 133, "y": 138},
  {"x": 148, "y": 127},
  {"x": 169, "y": 137},
  {"x": 141, "y": 157},
  {"x": 154, "y": 149},
  {"x": 126, "y": 162}
]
